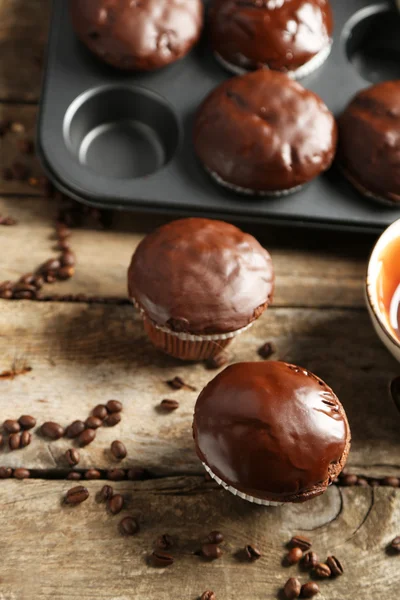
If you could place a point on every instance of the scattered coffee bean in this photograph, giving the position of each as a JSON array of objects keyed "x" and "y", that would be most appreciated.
[
  {"x": 75, "y": 429},
  {"x": 161, "y": 559},
  {"x": 114, "y": 406},
  {"x": 11, "y": 426},
  {"x": 68, "y": 259},
  {"x": 164, "y": 542},
  {"x": 137, "y": 474},
  {"x": 309, "y": 561},
  {"x": 106, "y": 492},
  {"x": 51, "y": 265},
  {"x": 349, "y": 480},
  {"x": 26, "y": 146},
  {"x": 216, "y": 537},
  {"x": 93, "y": 422},
  {"x": 118, "y": 450},
  {"x": 112, "y": 419},
  {"x": 27, "y": 422},
  {"x": 22, "y": 473},
  {"x": 308, "y": 590},
  {"x": 252, "y": 552},
  {"x": 391, "y": 482},
  {"x": 17, "y": 127},
  {"x": 292, "y": 588},
  {"x": 20, "y": 295},
  {"x": 74, "y": 476},
  {"x": 14, "y": 441},
  {"x": 211, "y": 551},
  {"x": 1, "y": 440},
  {"x": 8, "y": 221},
  {"x": 128, "y": 526},
  {"x": 208, "y": 595},
  {"x": 72, "y": 456},
  {"x": 5, "y": 472},
  {"x": 92, "y": 474},
  {"x": 216, "y": 362},
  {"x": 77, "y": 495},
  {"x": 266, "y": 350},
  {"x": 52, "y": 430},
  {"x": 362, "y": 482},
  {"x": 322, "y": 571},
  {"x": 100, "y": 411},
  {"x": 394, "y": 545},
  {"x": 26, "y": 438},
  {"x": 116, "y": 474},
  {"x": 86, "y": 437},
  {"x": 177, "y": 383},
  {"x": 65, "y": 273},
  {"x": 294, "y": 556},
  {"x": 299, "y": 541},
  {"x": 169, "y": 405},
  {"x": 116, "y": 504},
  {"x": 335, "y": 565},
  {"x": 63, "y": 231},
  {"x": 374, "y": 482},
  {"x": 5, "y": 293}
]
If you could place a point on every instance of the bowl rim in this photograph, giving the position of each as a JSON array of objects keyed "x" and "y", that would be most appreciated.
[{"x": 372, "y": 272}]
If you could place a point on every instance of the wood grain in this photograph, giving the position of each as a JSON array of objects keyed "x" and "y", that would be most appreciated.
[{"x": 77, "y": 552}]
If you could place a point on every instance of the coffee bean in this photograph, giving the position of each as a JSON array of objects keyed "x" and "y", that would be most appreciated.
[
  {"x": 11, "y": 426},
  {"x": 137, "y": 474},
  {"x": 349, "y": 480},
  {"x": 211, "y": 551},
  {"x": 74, "y": 476},
  {"x": 22, "y": 473},
  {"x": 14, "y": 441},
  {"x": 16, "y": 127},
  {"x": 216, "y": 537},
  {"x": 52, "y": 430},
  {"x": 23, "y": 295},
  {"x": 77, "y": 495},
  {"x": 72, "y": 457},
  {"x": 93, "y": 422},
  {"x": 68, "y": 259},
  {"x": 26, "y": 438},
  {"x": 374, "y": 482},
  {"x": 208, "y": 595},
  {"x": 114, "y": 406},
  {"x": 118, "y": 449},
  {"x": 169, "y": 405},
  {"x": 292, "y": 588},
  {"x": 391, "y": 482},
  {"x": 164, "y": 542},
  {"x": 106, "y": 492},
  {"x": 50, "y": 277},
  {"x": 322, "y": 571},
  {"x": 294, "y": 556},
  {"x": 266, "y": 350},
  {"x": 5, "y": 294},
  {"x": 112, "y": 420},
  {"x": 75, "y": 429},
  {"x": 177, "y": 383},
  {"x": 1, "y": 440},
  {"x": 309, "y": 561},
  {"x": 299, "y": 541},
  {"x": 252, "y": 552},
  {"x": 216, "y": 362},
  {"x": 128, "y": 526},
  {"x": 86, "y": 437},
  {"x": 24, "y": 287},
  {"x": 161, "y": 559},
  {"x": 53, "y": 264},
  {"x": 63, "y": 231},
  {"x": 362, "y": 482},
  {"x": 100, "y": 411},
  {"x": 5, "y": 472},
  {"x": 27, "y": 422},
  {"x": 65, "y": 273},
  {"x": 336, "y": 567},
  {"x": 308, "y": 590},
  {"x": 92, "y": 474},
  {"x": 116, "y": 504},
  {"x": 116, "y": 474}
]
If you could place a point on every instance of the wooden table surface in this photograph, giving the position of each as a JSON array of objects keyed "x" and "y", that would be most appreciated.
[{"x": 73, "y": 355}]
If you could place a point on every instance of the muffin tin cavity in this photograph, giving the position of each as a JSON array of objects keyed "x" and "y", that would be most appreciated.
[
  {"x": 373, "y": 43},
  {"x": 121, "y": 132}
]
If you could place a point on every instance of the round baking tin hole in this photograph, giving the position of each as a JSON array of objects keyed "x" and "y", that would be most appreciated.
[
  {"x": 373, "y": 43},
  {"x": 121, "y": 132}
]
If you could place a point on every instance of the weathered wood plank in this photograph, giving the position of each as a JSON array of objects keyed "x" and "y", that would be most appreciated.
[
  {"x": 82, "y": 355},
  {"x": 23, "y": 35},
  {"x": 77, "y": 552}
]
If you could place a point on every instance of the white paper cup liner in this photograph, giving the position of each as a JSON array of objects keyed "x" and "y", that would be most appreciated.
[
  {"x": 236, "y": 492},
  {"x": 248, "y": 191},
  {"x": 309, "y": 67}
]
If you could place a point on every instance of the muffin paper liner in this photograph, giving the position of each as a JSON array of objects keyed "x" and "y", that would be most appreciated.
[
  {"x": 236, "y": 492},
  {"x": 309, "y": 67},
  {"x": 371, "y": 195},
  {"x": 248, "y": 191}
]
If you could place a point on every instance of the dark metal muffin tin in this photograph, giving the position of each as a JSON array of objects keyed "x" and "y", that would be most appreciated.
[{"x": 124, "y": 141}]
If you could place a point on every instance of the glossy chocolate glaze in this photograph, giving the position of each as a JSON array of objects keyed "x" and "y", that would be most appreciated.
[
  {"x": 281, "y": 34},
  {"x": 265, "y": 132},
  {"x": 369, "y": 140},
  {"x": 271, "y": 430},
  {"x": 138, "y": 35},
  {"x": 201, "y": 276}
]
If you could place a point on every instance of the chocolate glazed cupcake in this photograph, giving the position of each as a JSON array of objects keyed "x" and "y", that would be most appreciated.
[
  {"x": 369, "y": 142},
  {"x": 294, "y": 36},
  {"x": 271, "y": 433},
  {"x": 264, "y": 134},
  {"x": 198, "y": 284},
  {"x": 138, "y": 35}
]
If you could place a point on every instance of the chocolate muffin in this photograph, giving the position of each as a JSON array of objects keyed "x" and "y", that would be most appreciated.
[
  {"x": 198, "y": 283},
  {"x": 294, "y": 36},
  {"x": 263, "y": 133},
  {"x": 271, "y": 432},
  {"x": 369, "y": 142},
  {"x": 138, "y": 35}
]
